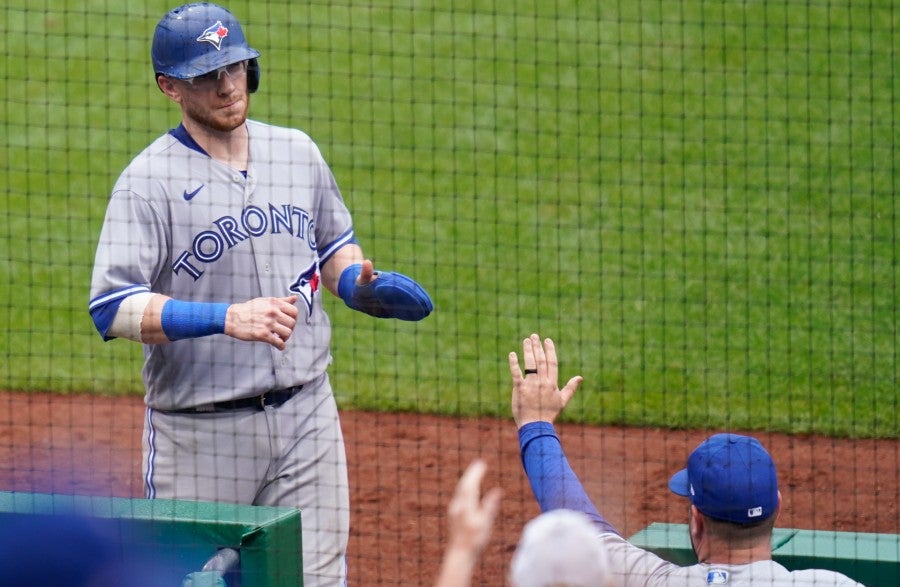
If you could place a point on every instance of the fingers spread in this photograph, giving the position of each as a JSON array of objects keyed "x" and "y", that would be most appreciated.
[
  {"x": 540, "y": 359},
  {"x": 569, "y": 390},
  {"x": 514, "y": 369},
  {"x": 550, "y": 359},
  {"x": 529, "y": 353}
]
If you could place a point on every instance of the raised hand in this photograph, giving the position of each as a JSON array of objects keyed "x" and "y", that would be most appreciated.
[
  {"x": 471, "y": 521},
  {"x": 536, "y": 396}
]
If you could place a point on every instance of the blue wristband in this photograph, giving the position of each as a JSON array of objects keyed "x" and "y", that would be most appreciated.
[
  {"x": 347, "y": 283},
  {"x": 192, "y": 319}
]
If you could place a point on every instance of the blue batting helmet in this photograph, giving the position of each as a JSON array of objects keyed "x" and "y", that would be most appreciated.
[{"x": 198, "y": 38}]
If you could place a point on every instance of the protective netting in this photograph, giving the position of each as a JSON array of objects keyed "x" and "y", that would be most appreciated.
[{"x": 695, "y": 200}]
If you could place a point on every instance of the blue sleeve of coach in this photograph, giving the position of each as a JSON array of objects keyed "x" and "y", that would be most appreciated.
[{"x": 552, "y": 480}]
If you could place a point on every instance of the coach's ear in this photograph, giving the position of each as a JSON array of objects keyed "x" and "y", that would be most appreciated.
[{"x": 697, "y": 529}]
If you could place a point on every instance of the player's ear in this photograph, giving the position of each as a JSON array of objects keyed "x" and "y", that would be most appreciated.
[{"x": 168, "y": 87}]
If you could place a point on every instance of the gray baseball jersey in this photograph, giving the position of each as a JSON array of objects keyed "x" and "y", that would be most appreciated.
[
  {"x": 631, "y": 565},
  {"x": 182, "y": 224}
]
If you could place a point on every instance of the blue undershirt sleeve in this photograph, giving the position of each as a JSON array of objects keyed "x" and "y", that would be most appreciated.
[{"x": 552, "y": 479}]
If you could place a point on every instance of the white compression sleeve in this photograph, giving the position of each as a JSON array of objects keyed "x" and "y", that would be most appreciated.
[{"x": 127, "y": 323}]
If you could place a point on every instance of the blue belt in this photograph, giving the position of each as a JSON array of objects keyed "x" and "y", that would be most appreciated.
[{"x": 274, "y": 398}]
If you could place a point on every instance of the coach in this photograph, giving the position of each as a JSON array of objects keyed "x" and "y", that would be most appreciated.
[{"x": 730, "y": 481}]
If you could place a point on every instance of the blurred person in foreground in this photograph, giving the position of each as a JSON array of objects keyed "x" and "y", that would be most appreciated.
[{"x": 556, "y": 549}]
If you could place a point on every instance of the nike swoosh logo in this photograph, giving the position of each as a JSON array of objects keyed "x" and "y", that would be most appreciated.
[{"x": 189, "y": 195}]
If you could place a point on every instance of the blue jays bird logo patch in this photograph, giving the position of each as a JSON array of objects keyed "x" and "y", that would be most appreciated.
[
  {"x": 214, "y": 35},
  {"x": 306, "y": 285}
]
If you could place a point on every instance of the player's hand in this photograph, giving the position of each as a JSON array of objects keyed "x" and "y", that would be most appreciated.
[
  {"x": 536, "y": 396},
  {"x": 367, "y": 273},
  {"x": 270, "y": 320},
  {"x": 383, "y": 294}
]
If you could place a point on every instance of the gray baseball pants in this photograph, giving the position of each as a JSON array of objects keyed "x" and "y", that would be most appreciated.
[{"x": 289, "y": 455}]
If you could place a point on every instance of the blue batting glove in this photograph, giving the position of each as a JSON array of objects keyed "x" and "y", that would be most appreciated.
[{"x": 391, "y": 295}]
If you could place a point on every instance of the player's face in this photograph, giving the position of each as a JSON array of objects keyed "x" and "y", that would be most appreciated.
[{"x": 218, "y": 100}]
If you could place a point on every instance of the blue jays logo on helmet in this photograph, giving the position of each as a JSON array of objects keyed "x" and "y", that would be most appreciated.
[
  {"x": 214, "y": 35},
  {"x": 306, "y": 285}
]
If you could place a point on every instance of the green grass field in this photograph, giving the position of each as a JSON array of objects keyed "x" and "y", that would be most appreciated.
[{"x": 696, "y": 200}]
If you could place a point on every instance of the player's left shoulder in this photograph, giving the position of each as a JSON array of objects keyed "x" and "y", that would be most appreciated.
[
  {"x": 280, "y": 138},
  {"x": 265, "y": 130}
]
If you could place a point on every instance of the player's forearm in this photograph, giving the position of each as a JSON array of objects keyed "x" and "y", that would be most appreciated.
[
  {"x": 552, "y": 479},
  {"x": 347, "y": 255},
  {"x": 150, "y": 325},
  {"x": 138, "y": 319},
  {"x": 158, "y": 319}
]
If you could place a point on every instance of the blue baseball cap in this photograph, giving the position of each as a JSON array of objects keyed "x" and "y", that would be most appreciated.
[{"x": 730, "y": 477}]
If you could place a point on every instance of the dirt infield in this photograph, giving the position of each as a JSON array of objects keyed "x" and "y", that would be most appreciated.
[{"x": 403, "y": 468}]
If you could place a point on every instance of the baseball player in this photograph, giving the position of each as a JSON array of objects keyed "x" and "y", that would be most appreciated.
[
  {"x": 218, "y": 241},
  {"x": 730, "y": 481}
]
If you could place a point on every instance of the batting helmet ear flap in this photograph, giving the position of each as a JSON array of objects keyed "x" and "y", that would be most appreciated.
[{"x": 253, "y": 73}]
